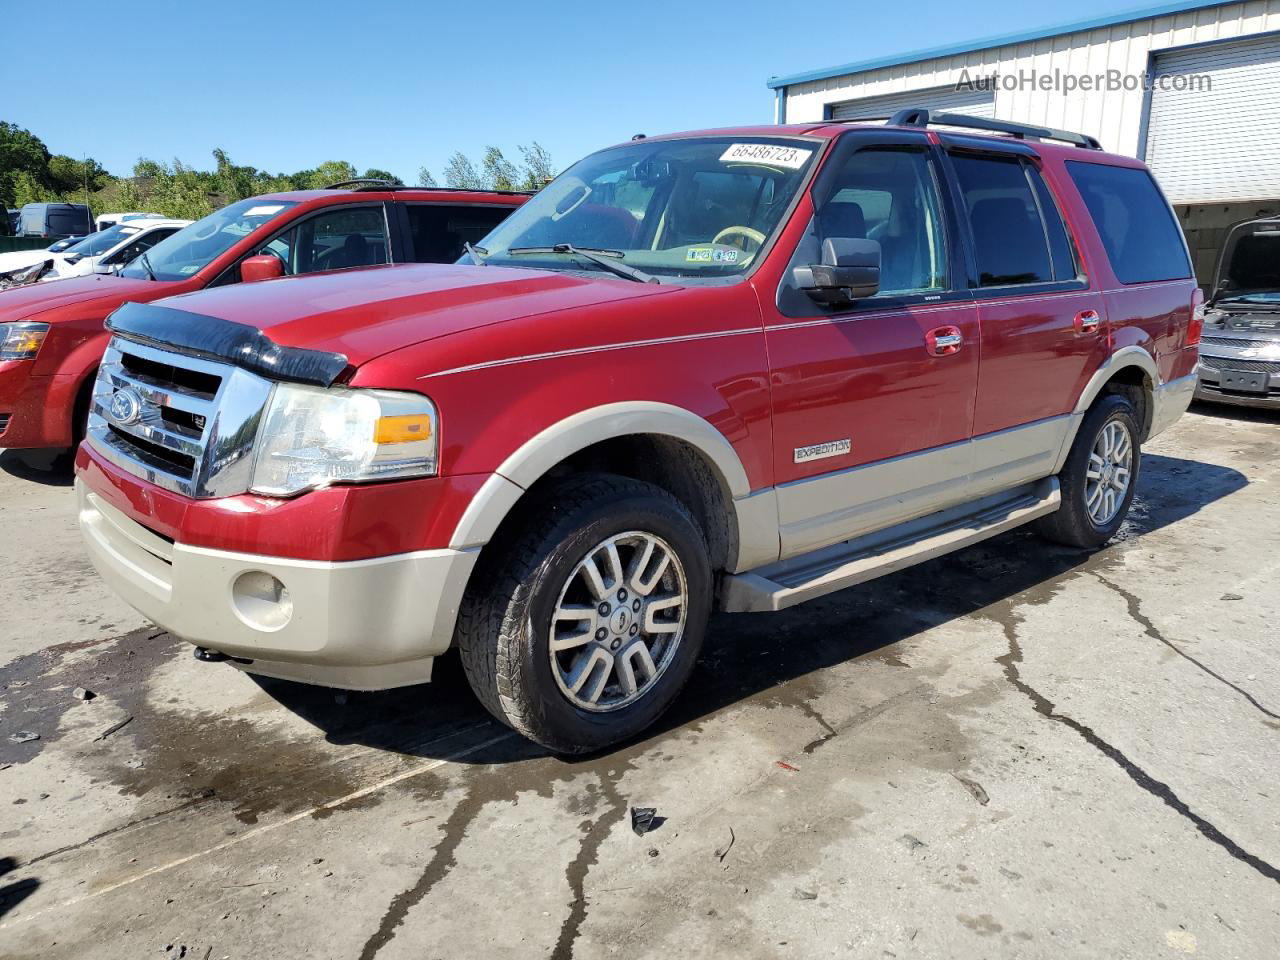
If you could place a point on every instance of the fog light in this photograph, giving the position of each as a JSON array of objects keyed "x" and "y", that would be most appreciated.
[{"x": 261, "y": 601}]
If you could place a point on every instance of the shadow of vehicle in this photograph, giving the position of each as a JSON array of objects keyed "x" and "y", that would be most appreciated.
[
  {"x": 746, "y": 654},
  {"x": 53, "y": 468},
  {"x": 12, "y": 894},
  {"x": 1225, "y": 411}
]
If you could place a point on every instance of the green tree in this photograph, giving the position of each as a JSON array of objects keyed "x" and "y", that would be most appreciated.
[
  {"x": 147, "y": 168},
  {"x": 536, "y": 168},
  {"x": 460, "y": 173},
  {"x": 331, "y": 171},
  {"x": 373, "y": 173},
  {"x": 21, "y": 152},
  {"x": 425, "y": 179},
  {"x": 499, "y": 172}
]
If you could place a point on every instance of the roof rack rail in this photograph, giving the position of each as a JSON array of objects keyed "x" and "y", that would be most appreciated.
[
  {"x": 919, "y": 117},
  {"x": 379, "y": 182},
  {"x": 372, "y": 184}
]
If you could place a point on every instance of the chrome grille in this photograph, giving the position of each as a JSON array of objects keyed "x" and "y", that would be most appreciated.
[
  {"x": 178, "y": 421},
  {"x": 4, "y": 421},
  {"x": 1234, "y": 363},
  {"x": 1237, "y": 342}
]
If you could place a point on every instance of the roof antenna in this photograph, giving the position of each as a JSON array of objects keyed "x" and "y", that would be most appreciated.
[{"x": 638, "y": 136}]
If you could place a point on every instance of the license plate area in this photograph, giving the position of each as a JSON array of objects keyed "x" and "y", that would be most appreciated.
[{"x": 1243, "y": 381}]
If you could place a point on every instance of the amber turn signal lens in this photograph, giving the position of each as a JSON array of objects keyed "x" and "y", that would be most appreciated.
[{"x": 404, "y": 429}]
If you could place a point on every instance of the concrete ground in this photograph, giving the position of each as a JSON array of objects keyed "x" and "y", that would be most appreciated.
[{"x": 1016, "y": 751}]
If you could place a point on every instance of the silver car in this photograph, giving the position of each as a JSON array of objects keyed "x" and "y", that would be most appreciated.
[{"x": 1240, "y": 349}]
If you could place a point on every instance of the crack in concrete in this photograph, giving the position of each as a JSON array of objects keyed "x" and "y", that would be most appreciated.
[
  {"x": 587, "y": 857},
  {"x": 443, "y": 860},
  {"x": 149, "y": 819},
  {"x": 1162, "y": 791},
  {"x": 1136, "y": 614}
]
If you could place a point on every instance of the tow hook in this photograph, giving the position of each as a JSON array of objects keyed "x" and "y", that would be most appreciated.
[{"x": 205, "y": 655}]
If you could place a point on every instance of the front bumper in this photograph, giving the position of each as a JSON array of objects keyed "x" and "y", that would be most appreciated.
[
  {"x": 361, "y": 625},
  {"x": 1209, "y": 383},
  {"x": 35, "y": 411}
]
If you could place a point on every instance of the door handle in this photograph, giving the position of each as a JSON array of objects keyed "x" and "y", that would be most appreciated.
[
  {"x": 1087, "y": 321},
  {"x": 943, "y": 341}
]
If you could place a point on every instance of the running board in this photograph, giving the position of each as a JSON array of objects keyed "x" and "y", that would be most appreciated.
[{"x": 781, "y": 585}]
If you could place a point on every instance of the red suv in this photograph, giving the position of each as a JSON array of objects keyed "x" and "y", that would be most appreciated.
[
  {"x": 730, "y": 369},
  {"x": 52, "y": 334}
]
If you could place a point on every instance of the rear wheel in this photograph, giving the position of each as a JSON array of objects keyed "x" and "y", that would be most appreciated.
[
  {"x": 1099, "y": 477},
  {"x": 583, "y": 624}
]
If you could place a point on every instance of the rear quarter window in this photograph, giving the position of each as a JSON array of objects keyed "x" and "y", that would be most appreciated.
[{"x": 1142, "y": 239}]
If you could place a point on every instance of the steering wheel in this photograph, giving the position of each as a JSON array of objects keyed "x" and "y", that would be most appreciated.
[{"x": 746, "y": 232}]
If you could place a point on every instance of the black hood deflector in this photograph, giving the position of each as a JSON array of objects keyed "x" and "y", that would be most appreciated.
[{"x": 216, "y": 339}]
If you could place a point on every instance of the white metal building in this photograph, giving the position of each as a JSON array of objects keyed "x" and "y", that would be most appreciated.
[{"x": 1192, "y": 87}]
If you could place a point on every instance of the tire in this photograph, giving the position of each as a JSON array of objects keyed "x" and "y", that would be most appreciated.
[
  {"x": 540, "y": 569},
  {"x": 1075, "y": 523}
]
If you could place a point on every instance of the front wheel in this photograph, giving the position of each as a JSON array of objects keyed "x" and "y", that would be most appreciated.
[
  {"x": 1099, "y": 477},
  {"x": 583, "y": 624}
]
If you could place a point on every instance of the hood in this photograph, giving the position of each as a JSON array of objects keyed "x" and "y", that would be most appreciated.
[
  {"x": 367, "y": 312},
  {"x": 20, "y": 303},
  {"x": 1249, "y": 260}
]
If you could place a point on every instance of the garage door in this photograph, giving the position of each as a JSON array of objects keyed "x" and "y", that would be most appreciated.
[
  {"x": 1217, "y": 138},
  {"x": 976, "y": 103}
]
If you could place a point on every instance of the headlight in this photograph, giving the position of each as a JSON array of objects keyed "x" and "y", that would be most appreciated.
[
  {"x": 312, "y": 437},
  {"x": 28, "y": 274},
  {"x": 21, "y": 341}
]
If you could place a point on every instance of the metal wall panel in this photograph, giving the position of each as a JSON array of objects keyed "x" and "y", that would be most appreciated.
[
  {"x": 1220, "y": 142},
  {"x": 1114, "y": 117},
  {"x": 976, "y": 103}
]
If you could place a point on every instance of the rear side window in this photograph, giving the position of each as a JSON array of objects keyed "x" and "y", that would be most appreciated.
[
  {"x": 1142, "y": 239},
  {"x": 440, "y": 230},
  {"x": 1018, "y": 234}
]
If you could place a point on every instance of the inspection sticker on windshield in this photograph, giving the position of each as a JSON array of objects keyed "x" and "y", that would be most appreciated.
[
  {"x": 767, "y": 154},
  {"x": 710, "y": 255},
  {"x": 266, "y": 211}
]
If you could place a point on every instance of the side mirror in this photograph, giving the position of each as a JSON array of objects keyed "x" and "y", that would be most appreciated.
[
  {"x": 105, "y": 269},
  {"x": 261, "y": 267},
  {"x": 850, "y": 270}
]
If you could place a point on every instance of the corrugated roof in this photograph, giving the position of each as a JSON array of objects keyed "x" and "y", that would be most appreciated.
[{"x": 1146, "y": 13}]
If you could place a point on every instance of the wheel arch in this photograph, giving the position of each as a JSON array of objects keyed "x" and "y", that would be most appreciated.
[{"x": 661, "y": 443}]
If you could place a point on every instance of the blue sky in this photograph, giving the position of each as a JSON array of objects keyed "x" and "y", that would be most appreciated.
[{"x": 284, "y": 86}]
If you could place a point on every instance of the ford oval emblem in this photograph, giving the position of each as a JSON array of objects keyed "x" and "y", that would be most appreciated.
[{"x": 126, "y": 407}]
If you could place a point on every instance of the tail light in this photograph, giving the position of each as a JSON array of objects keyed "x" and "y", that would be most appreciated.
[{"x": 1196, "y": 327}]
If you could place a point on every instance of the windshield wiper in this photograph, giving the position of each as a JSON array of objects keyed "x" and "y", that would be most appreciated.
[
  {"x": 601, "y": 257},
  {"x": 475, "y": 253},
  {"x": 146, "y": 265}
]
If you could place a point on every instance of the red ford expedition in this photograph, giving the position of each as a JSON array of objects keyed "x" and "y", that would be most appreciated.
[
  {"x": 729, "y": 369},
  {"x": 52, "y": 337}
]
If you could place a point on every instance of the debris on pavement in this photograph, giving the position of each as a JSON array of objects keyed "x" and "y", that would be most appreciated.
[
  {"x": 975, "y": 788},
  {"x": 653, "y": 851},
  {"x": 81, "y": 693},
  {"x": 1231, "y": 596},
  {"x": 722, "y": 852},
  {"x": 645, "y": 820},
  {"x": 113, "y": 728},
  {"x": 786, "y": 766},
  {"x": 911, "y": 843},
  {"x": 800, "y": 894},
  {"x": 24, "y": 736}
]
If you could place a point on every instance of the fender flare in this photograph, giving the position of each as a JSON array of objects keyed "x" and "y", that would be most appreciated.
[
  {"x": 531, "y": 461},
  {"x": 1122, "y": 359},
  {"x": 1130, "y": 356}
]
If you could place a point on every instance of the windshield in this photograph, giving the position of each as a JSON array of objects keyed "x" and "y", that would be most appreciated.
[
  {"x": 194, "y": 247},
  {"x": 102, "y": 241},
  {"x": 697, "y": 207}
]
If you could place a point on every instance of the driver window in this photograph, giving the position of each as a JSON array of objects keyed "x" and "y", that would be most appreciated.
[
  {"x": 890, "y": 196},
  {"x": 336, "y": 239},
  {"x": 139, "y": 246}
]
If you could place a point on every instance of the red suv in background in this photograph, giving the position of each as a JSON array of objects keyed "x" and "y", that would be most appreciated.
[
  {"x": 52, "y": 334},
  {"x": 727, "y": 370}
]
